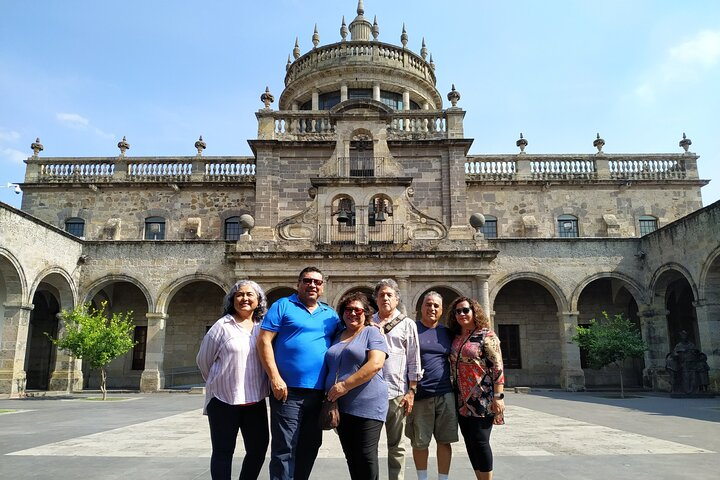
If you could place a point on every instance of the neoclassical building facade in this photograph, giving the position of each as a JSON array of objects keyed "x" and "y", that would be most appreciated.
[{"x": 363, "y": 170}]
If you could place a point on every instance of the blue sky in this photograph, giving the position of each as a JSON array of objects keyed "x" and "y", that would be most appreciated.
[{"x": 80, "y": 74}]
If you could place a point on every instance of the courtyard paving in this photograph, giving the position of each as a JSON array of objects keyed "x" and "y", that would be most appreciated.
[{"x": 548, "y": 435}]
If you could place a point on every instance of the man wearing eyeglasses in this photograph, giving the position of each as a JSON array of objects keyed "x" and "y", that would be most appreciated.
[{"x": 296, "y": 332}]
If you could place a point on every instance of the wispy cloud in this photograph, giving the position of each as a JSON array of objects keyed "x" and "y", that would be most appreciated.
[
  {"x": 10, "y": 155},
  {"x": 8, "y": 136},
  {"x": 78, "y": 122},
  {"x": 684, "y": 63}
]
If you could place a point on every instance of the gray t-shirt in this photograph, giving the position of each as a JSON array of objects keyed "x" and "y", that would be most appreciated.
[{"x": 368, "y": 400}]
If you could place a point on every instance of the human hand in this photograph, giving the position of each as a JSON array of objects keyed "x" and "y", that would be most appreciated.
[
  {"x": 498, "y": 406},
  {"x": 407, "y": 402},
  {"x": 279, "y": 389},
  {"x": 337, "y": 391}
]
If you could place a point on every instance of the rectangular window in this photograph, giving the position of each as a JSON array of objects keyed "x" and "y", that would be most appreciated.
[
  {"x": 510, "y": 345},
  {"x": 138, "y": 358},
  {"x": 489, "y": 229},
  {"x": 232, "y": 229},
  {"x": 75, "y": 226},
  {"x": 647, "y": 226},
  {"x": 568, "y": 228}
]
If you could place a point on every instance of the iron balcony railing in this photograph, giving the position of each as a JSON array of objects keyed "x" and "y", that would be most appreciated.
[{"x": 378, "y": 234}]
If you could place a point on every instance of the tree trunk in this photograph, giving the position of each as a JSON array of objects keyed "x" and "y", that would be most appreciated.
[{"x": 103, "y": 379}]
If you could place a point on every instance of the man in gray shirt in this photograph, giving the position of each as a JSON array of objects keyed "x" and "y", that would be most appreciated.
[{"x": 401, "y": 369}]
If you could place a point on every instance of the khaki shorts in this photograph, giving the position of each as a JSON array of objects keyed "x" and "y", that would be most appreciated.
[{"x": 432, "y": 416}]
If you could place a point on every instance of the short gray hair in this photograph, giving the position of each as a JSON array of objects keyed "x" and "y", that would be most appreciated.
[
  {"x": 229, "y": 300},
  {"x": 432, "y": 293},
  {"x": 387, "y": 282}
]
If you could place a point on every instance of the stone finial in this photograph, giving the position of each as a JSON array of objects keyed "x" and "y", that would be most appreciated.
[
  {"x": 521, "y": 143},
  {"x": 432, "y": 64},
  {"x": 375, "y": 29},
  {"x": 685, "y": 143},
  {"x": 343, "y": 30},
  {"x": 315, "y": 37},
  {"x": 287, "y": 65},
  {"x": 200, "y": 145},
  {"x": 37, "y": 147},
  {"x": 361, "y": 8},
  {"x": 124, "y": 146},
  {"x": 423, "y": 50},
  {"x": 453, "y": 96},
  {"x": 598, "y": 143},
  {"x": 267, "y": 98},
  {"x": 404, "y": 37},
  {"x": 296, "y": 50}
]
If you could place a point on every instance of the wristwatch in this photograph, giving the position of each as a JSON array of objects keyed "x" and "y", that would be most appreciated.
[{"x": 500, "y": 396}]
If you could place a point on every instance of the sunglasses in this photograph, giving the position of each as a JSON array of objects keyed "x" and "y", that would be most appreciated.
[
  {"x": 459, "y": 311},
  {"x": 356, "y": 311},
  {"x": 310, "y": 281}
]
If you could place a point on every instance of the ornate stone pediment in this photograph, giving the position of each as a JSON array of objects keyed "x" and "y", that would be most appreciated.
[{"x": 301, "y": 226}]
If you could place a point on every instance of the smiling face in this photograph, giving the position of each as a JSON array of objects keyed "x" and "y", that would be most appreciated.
[
  {"x": 354, "y": 316},
  {"x": 387, "y": 301},
  {"x": 310, "y": 288},
  {"x": 245, "y": 301},
  {"x": 465, "y": 316},
  {"x": 431, "y": 310}
]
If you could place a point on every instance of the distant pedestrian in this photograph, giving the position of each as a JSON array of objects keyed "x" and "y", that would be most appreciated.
[{"x": 235, "y": 383}]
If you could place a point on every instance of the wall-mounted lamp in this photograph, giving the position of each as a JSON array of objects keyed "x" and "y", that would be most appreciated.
[{"x": 14, "y": 186}]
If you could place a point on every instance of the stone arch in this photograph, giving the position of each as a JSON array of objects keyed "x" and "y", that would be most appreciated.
[
  {"x": 630, "y": 284},
  {"x": 549, "y": 284},
  {"x": 367, "y": 289},
  {"x": 276, "y": 293},
  {"x": 447, "y": 292},
  {"x": 709, "y": 281},
  {"x": 96, "y": 286},
  {"x": 173, "y": 287},
  {"x": 660, "y": 278},
  {"x": 673, "y": 289},
  {"x": 63, "y": 284},
  {"x": 13, "y": 282}
]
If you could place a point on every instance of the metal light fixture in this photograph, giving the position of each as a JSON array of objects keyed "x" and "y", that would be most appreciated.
[{"x": 14, "y": 186}]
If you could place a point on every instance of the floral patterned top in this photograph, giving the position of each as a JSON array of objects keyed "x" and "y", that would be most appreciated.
[{"x": 476, "y": 366}]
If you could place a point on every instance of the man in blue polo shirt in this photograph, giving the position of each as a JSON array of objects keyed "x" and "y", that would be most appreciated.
[{"x": 296, "y": 332}]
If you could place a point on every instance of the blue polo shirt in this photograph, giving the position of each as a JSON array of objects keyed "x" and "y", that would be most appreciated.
[{"x": 302, "y": 340}]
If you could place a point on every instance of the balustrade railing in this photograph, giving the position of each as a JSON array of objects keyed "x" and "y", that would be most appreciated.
[
  {"x": 361, "y": 166},
  {"x": 669, "y": 169},
  {"x": 379, "y": 234},
  {"x": 119, "y": 169},
  {"x": 560, "y": 169}
]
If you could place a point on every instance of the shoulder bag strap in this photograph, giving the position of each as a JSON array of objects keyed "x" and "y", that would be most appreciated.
[{"x": 393, "y": 323}]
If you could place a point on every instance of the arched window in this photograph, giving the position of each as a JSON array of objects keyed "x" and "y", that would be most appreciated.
[
  {"x": 75, "y": 226},
  {"x": 567, "y": 226},
  {"x": 232, "y": 228},
  {"x": 342, "y": 224},
  {"x": 154, "y": 228},
  {"x": 648, "y": 224},
  {"x": 489, "y": 229}
]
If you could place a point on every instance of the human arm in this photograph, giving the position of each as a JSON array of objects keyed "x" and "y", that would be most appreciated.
[
  {"x": 414, "y": 368},
  {"x": 208, "y": 352},
  {"x": 267, "y": 359},
  {"x": 494, "y": 355},
  {"x": 374, "y": 363}
]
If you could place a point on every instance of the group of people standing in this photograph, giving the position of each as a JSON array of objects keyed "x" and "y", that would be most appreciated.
[{"x": 420, "y": 379}]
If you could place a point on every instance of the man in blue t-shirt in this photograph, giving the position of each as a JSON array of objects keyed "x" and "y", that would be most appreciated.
[
  {"x": 296, "y": 333},
  {"x": 434, "y": 411}
]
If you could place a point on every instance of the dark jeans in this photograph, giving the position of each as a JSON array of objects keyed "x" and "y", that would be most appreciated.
[
  {"x": 296, "y": 434},
  {"x": 359, "y": 438},
  {"x": 225, "y": 421},
  {"x": 476, "y": 431}
]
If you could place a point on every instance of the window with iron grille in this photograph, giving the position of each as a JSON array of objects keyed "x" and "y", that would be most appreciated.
[
  {"x": 567, "y": 226},
  {"x": 232, "y": 228},
  {"x": 648, "y": 224},
  {"x": 154, "y": 228},
  {"x": 489, "y": 229},
  {"x": 138, "y": 358},
  {"x": 510, "y": 345},
  {"x": 75, "y": 226}
]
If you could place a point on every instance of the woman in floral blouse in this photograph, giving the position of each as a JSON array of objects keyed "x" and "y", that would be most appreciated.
[{"x": 477, "y": 371}]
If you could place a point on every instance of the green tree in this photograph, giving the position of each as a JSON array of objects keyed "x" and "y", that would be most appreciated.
[
  {"x": 96, "y": 337},
  {"x": 610, "y": 341}
]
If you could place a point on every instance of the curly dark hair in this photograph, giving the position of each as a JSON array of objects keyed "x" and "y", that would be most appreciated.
[
  {"x": 479, "y": 317},
  {"x": 356, "y": 297}
]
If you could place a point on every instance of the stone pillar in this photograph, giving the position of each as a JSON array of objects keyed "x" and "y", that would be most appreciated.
[
  {"x": 315, "y": 100},
  {"x": 602, "y": 167},
  {"x": 343, "y": 92},
  {"x": 522, "y": 167},
  {"x": 153, "y": 377},
  {"x": 13, "y": 348},
  {"x": 376, "y": 92},
  {"x": 406, "y": 100},
  {"x": 572, "y": 377},
  {"x": 455, "y": 118},
  {"x": 403, "y": 282},
  {"x": 67, "y": 373},
  {"x": 267, "y": 177},
  {"x": 482, "y": 293},
  {"x": 653, "y": 325},
  {"x": 708, "y": 322}
]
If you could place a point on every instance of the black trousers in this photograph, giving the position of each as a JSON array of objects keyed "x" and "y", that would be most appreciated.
[
  {"x": 359, "y": 438},
  {"x": 225, "y": 422},
  {"x": 476, "y": 432}
]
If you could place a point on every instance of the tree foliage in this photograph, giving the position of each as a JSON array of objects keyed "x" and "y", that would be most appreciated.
[
  {"x": 96, "y": 337},
  {"x": 610, "y": 341}
]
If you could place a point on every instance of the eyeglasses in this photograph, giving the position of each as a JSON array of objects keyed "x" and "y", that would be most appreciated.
[
  {"x": 356, "y": 311},
  {"x": 310, "y": 281},
  {"x": 460, "y": 311}
]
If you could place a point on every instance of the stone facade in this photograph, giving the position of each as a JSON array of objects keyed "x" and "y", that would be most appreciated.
[{"x": 363, "y": 173}]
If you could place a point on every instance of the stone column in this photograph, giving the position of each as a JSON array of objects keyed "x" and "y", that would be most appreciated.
[
  {"x": 267, "y": 185},
  {"x": 403, "y": 282},
  {"x": 653, "y": 325},
  {"x": 315, "y": 100},
  {"x": 343, "y": 92},
  {"x": 708, "y": 322},
  {"x": 482, "y": 293},
  {"x": 153, "y": 377},
  {"x": 406, "y": 100},
  {"x": 13, "y": 348},
  {"x": 572, "y": 377},
  {"x": 376, "y": 91},
  {"x": 67, "y": 373}
]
